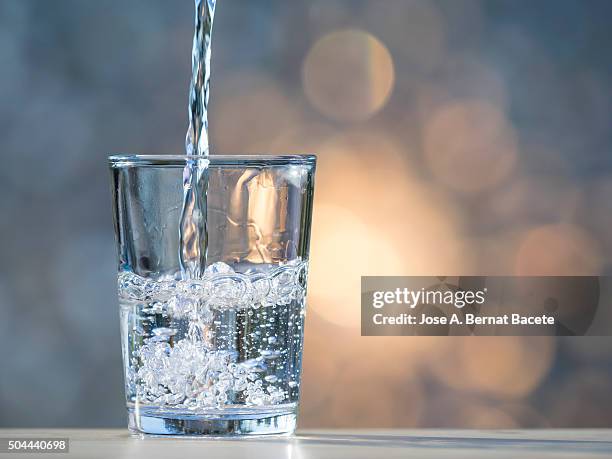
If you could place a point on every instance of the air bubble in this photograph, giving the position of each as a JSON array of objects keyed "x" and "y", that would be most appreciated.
[
  {"x": 268, "y": 354},
  {"x": 164, "y": 331},
  {"x": 218, "y": 268}
]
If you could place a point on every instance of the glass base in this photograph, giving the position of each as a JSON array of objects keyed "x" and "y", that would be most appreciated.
[{"x": 217, "y": 425}]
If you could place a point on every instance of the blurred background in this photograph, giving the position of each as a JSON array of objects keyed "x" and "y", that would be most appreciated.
[{"x": 454, "y": 137}]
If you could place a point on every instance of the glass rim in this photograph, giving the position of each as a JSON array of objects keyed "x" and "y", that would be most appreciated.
[{"x": 245, "y": 160}]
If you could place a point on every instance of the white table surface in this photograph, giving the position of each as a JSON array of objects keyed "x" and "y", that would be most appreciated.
[{"x": 330, "y": 444}]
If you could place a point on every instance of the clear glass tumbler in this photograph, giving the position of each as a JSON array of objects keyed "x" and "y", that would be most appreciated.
[{"x": 220, "y": 354}]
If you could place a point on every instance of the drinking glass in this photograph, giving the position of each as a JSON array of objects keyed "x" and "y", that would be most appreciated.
[{"x": 219, "y": 353}]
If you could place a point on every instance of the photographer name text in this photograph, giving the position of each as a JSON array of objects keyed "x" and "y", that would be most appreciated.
[{"x": 467, "y": 319}]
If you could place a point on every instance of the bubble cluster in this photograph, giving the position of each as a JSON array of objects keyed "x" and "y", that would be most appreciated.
[
  {"x": 220, "y": 288},
  {"x": 192, "y": 376},
  {"x": 178, "y": 337}
]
